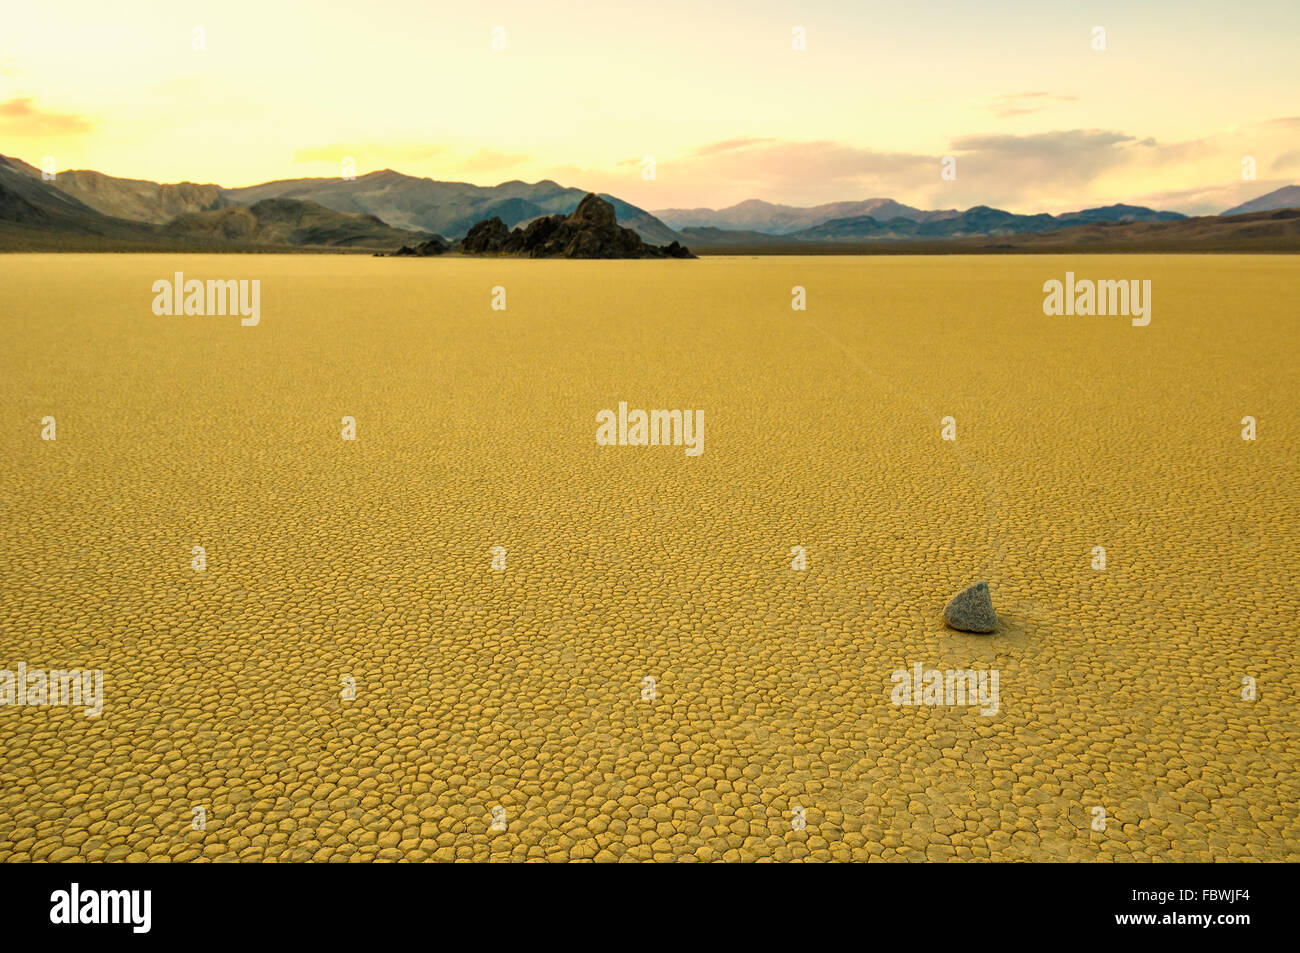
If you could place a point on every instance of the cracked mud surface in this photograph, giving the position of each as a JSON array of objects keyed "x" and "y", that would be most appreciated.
[{"x": 522, "y": 689}]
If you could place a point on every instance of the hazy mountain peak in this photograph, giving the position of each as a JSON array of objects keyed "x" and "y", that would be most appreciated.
[
  {"x": 1286, "y": 197},
  {"x": 757, "y": 215},
  {"x": 447, "y": 208},
  {"x": 138, "y": 200},
  {"x": 18, "y": 165}
]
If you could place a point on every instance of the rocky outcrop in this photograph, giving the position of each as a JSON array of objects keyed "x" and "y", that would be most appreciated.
[
  {"x": 593, "y": 212},
  {"x": 971, "y": 610},
  {"x": 591, "y": 231},
  {"x": 436, "y": 245},
  {"x": 486, "y": 237}
]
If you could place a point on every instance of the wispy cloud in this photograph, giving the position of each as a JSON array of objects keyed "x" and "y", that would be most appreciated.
[
  {"x": 1288, "y": 160},
  {"x": 1022, "y": 104},
  {"x": 1049, "y": 145},
  {"x": 489, "y": 160},
  {"x": 730, "y": 145},
  {"x": 806, "y": 170},
  {"x": 991, "y": 168},
  {"x": 1041, "y": 171},
  {"x": 19, "y": 117},
  {"x": 1051, "y": 171},
  {"x": 729, "y": 171}
]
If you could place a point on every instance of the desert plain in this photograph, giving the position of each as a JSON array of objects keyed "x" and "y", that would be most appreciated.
[{"x": 648, "y": 678}]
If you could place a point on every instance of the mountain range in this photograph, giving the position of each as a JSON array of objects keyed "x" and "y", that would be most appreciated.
[
  {"x": 888, "y": 221},
  {"x": 382, "y": 211},
  {"x": 756, "y": 215},
  {"x": 418, "y": 208},
  {"x": 93, "y": 212},
  {"x": 1286, "y": 197},
  {"x": 885, "y": 219},
  {"x": 980, "y": 220},
  {"x": 450, "y": 209},
  {"x": 1274, "y": 231}
]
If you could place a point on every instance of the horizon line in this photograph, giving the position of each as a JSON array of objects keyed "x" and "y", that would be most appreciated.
[{"x": 653, "y": 211}]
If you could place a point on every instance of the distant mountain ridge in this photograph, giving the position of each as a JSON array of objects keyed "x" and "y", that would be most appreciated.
[
  {"x": 1276, "y": 231},
  {"x": 383, "y": 211},
  {"x": 978, "y": 221},
  {"x": 448, "y": 208},
  {"x": 883, "y": 219},
  {"x": 292, "y": 222},
  {"x": 138, "y": 200},
  {"x": 758, "y": 216},
  {"x": 1286, "y": 197},
  {"x": 420, "y": 205},
  {"x": 135, "y": 200},
  {"x": 37, "y": 215},
  {"x": 29, "y": 204}
]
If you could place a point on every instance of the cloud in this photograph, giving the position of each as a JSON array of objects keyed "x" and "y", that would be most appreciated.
[
  {"x": 1288, "y": 160},
  {"x": 1006, "y": 170},
  {"x": 1044, "y": 168},
  {"x": 488, "y": 160},
  {"x": 733, "y": 170},
  {"x": 1022, "y": 104},
  {"x": 19, "y": 117},
  {"x": 729, "y": 145},
  {"x": 992, "y": 168},
  {"x": 1072, "y": 142},
  {"x": 799, "y": 171},
  {"x": 1050, "y": 171}
]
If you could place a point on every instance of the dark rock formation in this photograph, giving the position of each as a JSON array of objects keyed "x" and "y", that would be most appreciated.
[
  {"x": 486, "y": 237},
  {"x": 434, "y": 246},
  {"x": 971, "y": 610},
  {"x": 535, "y": 234},
  {"x": 593, "y": 211},
  {"x": 590, "y": 232}
]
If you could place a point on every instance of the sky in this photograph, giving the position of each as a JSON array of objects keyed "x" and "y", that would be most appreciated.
[{"x": 716, "y": 94}]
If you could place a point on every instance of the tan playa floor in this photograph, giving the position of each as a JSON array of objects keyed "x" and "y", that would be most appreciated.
[{"x": 1119, "y": 689}]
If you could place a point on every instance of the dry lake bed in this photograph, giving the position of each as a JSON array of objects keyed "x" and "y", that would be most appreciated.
[{"x": 349, "y": 668}]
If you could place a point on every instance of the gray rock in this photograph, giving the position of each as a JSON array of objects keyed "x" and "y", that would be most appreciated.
[{"x": 971, "y": 610}]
